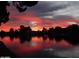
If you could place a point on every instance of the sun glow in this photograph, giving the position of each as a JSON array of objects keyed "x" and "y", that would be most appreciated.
[
  {"x": 36, "y": 28},
  {"x": 33, "y": 23}
]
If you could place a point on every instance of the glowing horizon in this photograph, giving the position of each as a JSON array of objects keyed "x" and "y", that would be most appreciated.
[{"x": 35, "y": 26}]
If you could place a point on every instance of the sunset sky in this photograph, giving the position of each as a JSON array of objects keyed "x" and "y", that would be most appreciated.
[{"x": 44, "y": 14}]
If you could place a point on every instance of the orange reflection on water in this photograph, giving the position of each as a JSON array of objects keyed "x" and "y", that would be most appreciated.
[{"x": 36, "y": 44}]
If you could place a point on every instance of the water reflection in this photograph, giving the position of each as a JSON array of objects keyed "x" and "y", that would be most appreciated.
[{"x": 23, "y": 47}]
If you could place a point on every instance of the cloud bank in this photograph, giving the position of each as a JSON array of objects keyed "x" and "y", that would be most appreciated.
[{"x": 51, "y": 9}]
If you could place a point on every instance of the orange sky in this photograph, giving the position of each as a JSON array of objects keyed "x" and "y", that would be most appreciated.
[
  {"x": 35, "y": 23},
  {"x": 31, "y": 19}
]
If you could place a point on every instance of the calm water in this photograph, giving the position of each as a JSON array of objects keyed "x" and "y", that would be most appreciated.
[{"x": 37, "y": 47}]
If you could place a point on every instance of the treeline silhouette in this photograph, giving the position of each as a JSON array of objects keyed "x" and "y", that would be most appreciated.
[{"x": 70, "y": 33}]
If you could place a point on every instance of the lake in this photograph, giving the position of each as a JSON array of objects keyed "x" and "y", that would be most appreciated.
[{"x": 41, "y": 47}]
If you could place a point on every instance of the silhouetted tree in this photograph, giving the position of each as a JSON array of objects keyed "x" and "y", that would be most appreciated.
[
  {"x": 22, "y": 5},
  {"x": 22, "y": 28},
  {"x": 51, "y": 30},
  {"x": 58, "y": 30},
  {"x": 44, "y": 31},
  {"x": 72, "y": 30},
  {"x": 16, "y": 33},
  {"x": 2, "y": 34},
  {"x": 11, "y": 33},
  {"x": 11, "y": 30},
  {"x": 4, "y": 15},
  {"x": 25, "y": 33},
  {"x": 25, "y": 29}
]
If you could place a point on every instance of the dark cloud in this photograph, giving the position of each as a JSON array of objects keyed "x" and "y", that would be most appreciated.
[
  {"x": 43, "y": 7},
  {"x": 63, "y": 17},
  {"x": 53, "y": 9}
]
